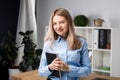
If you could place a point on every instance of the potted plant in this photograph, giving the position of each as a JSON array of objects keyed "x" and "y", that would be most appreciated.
[
  {"x": 8, "y": 53},
  {"x": 81, "y": 20},
  {"x": 31, "y": 57}
]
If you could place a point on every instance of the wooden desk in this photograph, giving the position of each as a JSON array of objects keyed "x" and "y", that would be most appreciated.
[
  {"x": 33, "y": 75},
  {"x": 92, "y": 76},
  {"x": 29, "y": 75}
]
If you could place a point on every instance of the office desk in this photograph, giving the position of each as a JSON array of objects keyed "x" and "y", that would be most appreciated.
[
  {"x": 29, "y": 75},
  {"x": 33, "y": 75},
  {"x": 93, "y": 75}
]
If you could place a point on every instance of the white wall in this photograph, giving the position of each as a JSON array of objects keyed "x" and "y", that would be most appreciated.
[{"x": 105, "y": 9}]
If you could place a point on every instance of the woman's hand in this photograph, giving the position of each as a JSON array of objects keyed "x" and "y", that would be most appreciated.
[{"x": 57, "y": 64}]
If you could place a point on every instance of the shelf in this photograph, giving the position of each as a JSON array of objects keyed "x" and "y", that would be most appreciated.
[
  {"x": 103, "y": 42},
  {"x": 97, "y": 70},
  {"x": 87, "y": 27},
  {"x": 83, "y": 27},
  {"x": 102, "y": 69},
  {"x": 107, "y": 50}
]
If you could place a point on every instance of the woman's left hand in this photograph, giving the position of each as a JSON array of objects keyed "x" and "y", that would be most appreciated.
[{"x": 61, "y": 65}]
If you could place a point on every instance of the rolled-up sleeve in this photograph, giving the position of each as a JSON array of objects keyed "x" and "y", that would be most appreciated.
[
  {"x": 84, "y": 69},
  {"x": 43, "y": 68}
]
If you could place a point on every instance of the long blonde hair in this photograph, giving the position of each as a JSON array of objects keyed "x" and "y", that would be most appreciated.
[{"x": 72, "y": 40}]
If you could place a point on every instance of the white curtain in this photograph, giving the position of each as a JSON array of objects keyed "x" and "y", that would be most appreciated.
[{"x": 26, "y": 21}]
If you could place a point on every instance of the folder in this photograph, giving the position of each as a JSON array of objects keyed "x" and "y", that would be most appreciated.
[{"x": 95, "y": 39}]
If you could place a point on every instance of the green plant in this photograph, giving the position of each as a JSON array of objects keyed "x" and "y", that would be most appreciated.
[
  {"x": 80, "y": 20},
  {"x": 8, "y": 51},
  {"x": 31, "y": 56}
]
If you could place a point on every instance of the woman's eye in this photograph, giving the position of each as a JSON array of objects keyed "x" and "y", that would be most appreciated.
[{"x": 54, "y": 23}]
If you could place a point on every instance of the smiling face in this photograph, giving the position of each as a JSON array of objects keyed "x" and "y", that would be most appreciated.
[{"x": 60, "y": 25}]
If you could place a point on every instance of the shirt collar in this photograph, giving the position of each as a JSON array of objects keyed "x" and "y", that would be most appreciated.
[{"x": 60, "y": 39}]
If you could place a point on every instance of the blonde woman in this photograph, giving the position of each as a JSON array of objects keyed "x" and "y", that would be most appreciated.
[{"x": 72, "y": 59}]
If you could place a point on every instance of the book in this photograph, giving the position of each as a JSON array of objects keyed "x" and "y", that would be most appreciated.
[
  {"x": 50, "y": 57},
  {"x": 104, "y": 68}
]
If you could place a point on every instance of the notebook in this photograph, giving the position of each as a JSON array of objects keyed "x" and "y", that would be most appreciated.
[{"x": 50, "y": 57}]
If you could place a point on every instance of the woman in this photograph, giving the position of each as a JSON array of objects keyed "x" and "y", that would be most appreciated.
[{"x": 73, "y": 59}]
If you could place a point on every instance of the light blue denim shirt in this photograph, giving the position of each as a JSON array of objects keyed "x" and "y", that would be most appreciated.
[{"x": 77, "y": 60}]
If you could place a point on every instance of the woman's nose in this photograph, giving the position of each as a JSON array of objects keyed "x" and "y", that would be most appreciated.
[{"x": 58, "y": 25}]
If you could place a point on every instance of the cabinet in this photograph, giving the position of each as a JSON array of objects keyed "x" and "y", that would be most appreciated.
[{"x": 104, "y": 44}]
